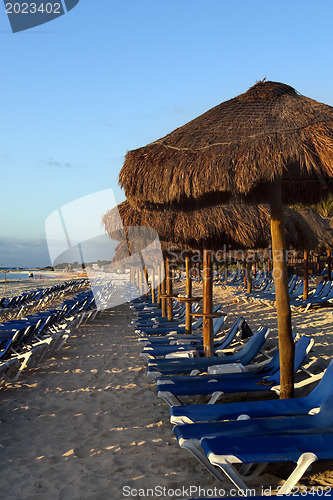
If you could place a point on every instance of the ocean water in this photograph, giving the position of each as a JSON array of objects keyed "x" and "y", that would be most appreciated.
[{"x": 14, "y": 273}]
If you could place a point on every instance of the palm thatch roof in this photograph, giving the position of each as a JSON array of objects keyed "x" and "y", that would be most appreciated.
[
  {"x": 330, "y": 222},
  {"x": 319, "y": 226},
  {"x": 123, "y": 259},
  {"x": 236, "y": 226},
  {"x": 237, "y": 149},
  {"x": 122, "y": 253}
]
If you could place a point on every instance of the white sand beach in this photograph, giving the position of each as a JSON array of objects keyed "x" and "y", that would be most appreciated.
[{"x": 87, "y": 424}]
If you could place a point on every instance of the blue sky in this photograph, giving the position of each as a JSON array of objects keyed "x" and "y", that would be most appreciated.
[{"x": 78, "y": 92}]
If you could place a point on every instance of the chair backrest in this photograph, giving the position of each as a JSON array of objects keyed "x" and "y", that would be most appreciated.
[
  {"x": 218, "y": 323},
  {"x": 292, "y": 284},
  {"x": 252, "y": 347},
  {"x": 329, "y": 295},
  {"x": 302, "y": 347},
  {"x": 268, "y": 286},
  {"x": 180, "y": 311},
  {"x": 324, "y": 291},
  {"x": 199, "y": 321},
  {"x": 323, "y": 389},
  {"x": 298, "y": 290},
  {"x": 318, "y": 289},
  {"x": 324, "y": 418},
  {"x": 195, "y": 307},
  {"x": 263, "y": 284},
  {"x": 230, "y": 335},
  {"x": 274, "y": 364}
]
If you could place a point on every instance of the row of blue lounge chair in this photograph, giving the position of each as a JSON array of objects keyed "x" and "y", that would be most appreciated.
[
  {"x": 236, "y": 279},
  {"x": 264, "y": 290},
  {"x": 322, "y": 295},
  {"x": 27, "y": 341},
  {"x": 250, "y": 432},
  {"x": 38, "y": 297}
]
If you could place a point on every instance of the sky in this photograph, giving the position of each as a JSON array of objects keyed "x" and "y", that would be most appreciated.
[{"x": 80, "y": 91}]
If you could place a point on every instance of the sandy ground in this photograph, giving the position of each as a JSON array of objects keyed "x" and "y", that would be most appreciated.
[{"x": 86, "y": 424}]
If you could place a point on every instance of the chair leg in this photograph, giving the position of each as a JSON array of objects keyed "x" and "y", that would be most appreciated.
[
  {"x": 23, "y": 358},
  {"x": 303, "y": 463},
  {"x": 225, "y": 463},
  {"x": 9, "y": 367},
  {"x": 245, "y": 470},
  {"x": 169, "y": 398},
  {"x": 215, "y": 397},
  {"x": 193, "y": 446}
]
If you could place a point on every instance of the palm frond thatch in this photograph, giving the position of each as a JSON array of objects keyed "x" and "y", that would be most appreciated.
[
  {"x": 236, "y": 226},
  {"x": 319, "y": 226},
  {"x": 236, "y": 149}
]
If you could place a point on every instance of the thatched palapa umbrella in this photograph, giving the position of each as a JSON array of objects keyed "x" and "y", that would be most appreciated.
[
  {"x": 269, "y": 144},
  {"x": 131, "y": 257},
  {"x": 238, "y": 226}
]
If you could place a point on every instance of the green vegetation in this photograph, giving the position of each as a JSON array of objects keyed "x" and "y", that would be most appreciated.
[{"x": 324, "y": 208}]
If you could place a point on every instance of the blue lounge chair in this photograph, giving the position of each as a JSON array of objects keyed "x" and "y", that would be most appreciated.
[
  {"x": 162, "y": 326},
  {"x": 267, "y": 298},
  {"x": 147, "y": 316},
  {"x": 303, "y": 448},
  {"x": 170, "y": 328},
  {"x": 229, "y": 383},
  {"x": 155, "y": 351},
  {"x": 185, "y": 366},
  {"x": 295, "y": 290},
  {"x": 229, "y": 371},
  {"x": 319, "y": 296},
  {"x": 190, "y": 435},
  {"x": 243, "y": 328},
  {"x": 254, "y": 409},
  {"x": 161, "y": 335}
]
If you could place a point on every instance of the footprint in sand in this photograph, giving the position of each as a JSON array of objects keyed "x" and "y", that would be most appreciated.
[{"x": 82, "y": 451}]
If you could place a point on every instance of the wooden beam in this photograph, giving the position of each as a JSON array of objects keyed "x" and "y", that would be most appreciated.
[
  {"x": 208, "y": 342},
  {"x": 286, "y": 343},
  {"x": 169, "y": 289},
  {"x": 306, "y": 275},
  {"x": 188, "y": 318}
]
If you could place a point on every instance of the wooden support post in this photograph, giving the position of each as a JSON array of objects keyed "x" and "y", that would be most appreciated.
[
  {"x": 225, "y": 268},
  {"x": 329, "y": 265},
  {"x": 163, "y": 291},
  {"x": 140, "y": 282},
  {"x": 306, "y": 275},
  {"x": 254, "y": 267},
  {"x": 159, "y": 291},
  {"x": 286, "y": 343},
  {"x": 152, "y": 281},
  {"x": 208, "y": 342},
  {"x": 188, "y": 319},
  {"x": 244, "y": 270},
  {"x": 146, "y": 282},
  {"x": 169, "y": 289},
  {"x": 248, "y": 277}
]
